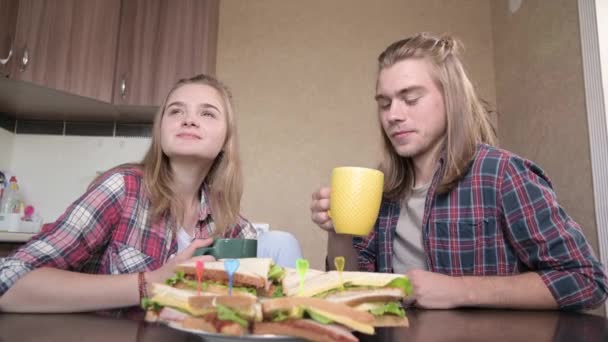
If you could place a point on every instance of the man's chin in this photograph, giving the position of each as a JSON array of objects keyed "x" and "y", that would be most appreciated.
[{"x": 407, "y": 152}]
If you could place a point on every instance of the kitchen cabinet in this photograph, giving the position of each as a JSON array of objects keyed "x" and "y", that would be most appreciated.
[
  {"x": 101, "y": 59},
  {"x": 68, "y": 45},
  {"x": 161, "y": 41},
  {"x": 8, "y": 23}
]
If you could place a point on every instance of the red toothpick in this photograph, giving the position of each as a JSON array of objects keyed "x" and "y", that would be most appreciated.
[{"x": 200, "y": 267}]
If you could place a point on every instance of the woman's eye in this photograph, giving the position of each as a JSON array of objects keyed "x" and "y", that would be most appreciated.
[
  {"x": 174, "y": 111},
  {"x": 411, "y": 102},
  {"x": 208, "y": 114}
]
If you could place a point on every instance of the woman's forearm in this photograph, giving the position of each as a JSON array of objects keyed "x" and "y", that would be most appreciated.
[{"x": 54, "y": 290}]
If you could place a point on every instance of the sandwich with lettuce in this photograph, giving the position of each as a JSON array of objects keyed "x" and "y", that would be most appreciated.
[
  {"x": 208, "y": 312},
  {"x": 255, "y": 276},
  {"x": 380, "y": 294},
  {"x": 313, "y": 319}
]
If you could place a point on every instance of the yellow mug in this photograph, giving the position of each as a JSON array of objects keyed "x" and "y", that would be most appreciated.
[{"x": 356, "y": 193}]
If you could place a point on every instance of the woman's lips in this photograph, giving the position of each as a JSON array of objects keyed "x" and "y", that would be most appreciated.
[{"x": 189, "y": 136}]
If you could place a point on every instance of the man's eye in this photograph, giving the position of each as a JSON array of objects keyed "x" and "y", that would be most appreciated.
[{"x": 384, "y": 105}]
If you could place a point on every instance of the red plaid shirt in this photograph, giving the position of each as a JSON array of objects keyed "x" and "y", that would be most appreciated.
[
  {"x": 501, "y": 219},
  {"x": 109, "y": 230}
]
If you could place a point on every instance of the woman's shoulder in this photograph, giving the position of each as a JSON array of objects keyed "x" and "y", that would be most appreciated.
[{"x": 124, "y": 175}]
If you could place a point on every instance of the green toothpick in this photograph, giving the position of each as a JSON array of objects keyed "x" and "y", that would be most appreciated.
[
  {"x": 301, "y": 268},
  {"x": 339, "y": 262}
]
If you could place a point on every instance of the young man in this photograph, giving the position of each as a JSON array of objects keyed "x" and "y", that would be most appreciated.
[{"x": 470, "y": 224}]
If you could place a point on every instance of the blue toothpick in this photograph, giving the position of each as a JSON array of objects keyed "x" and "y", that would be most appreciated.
[{"x": 231, "y": 265}]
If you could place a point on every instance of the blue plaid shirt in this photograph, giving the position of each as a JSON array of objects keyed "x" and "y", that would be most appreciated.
[{"x": 501, "y": 219}]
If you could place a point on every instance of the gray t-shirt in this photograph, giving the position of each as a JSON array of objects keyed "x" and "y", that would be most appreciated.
[{"x": 408, "y": 251}]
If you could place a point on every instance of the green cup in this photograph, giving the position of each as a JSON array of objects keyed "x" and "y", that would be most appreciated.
[{"x": 230, "y": 249}]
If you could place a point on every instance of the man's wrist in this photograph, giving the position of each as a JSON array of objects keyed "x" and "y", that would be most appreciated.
[{"x": 467, "y": 294}]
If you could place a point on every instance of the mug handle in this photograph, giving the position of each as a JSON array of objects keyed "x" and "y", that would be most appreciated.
[{"x": 204, "y": 251}]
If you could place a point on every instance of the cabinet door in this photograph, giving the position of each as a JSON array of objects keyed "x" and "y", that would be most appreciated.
[
  {"x": 69, "y": 45},
  {"x": 8, "y": 23},
  {"x": 161, "y": 41}
]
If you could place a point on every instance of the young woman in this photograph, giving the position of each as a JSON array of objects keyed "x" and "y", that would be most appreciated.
[{"x": 137, "y": 221}]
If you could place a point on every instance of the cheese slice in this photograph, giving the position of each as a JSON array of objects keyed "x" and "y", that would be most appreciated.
[{"x": 346, "y": 321}]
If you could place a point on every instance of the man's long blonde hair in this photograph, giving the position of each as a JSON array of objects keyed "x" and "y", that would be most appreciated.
[
  {"x": 468, "y": 122},
  {"x": 224, "y": 179}
]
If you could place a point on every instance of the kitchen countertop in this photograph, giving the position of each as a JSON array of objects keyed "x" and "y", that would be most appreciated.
[{"x": 15, "y": 237}]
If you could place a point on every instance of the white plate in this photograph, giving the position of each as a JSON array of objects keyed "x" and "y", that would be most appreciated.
[{"x": 213, "y": 337}]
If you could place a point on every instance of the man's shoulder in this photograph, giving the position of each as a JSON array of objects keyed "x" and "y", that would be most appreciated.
[
  {"x": 494, "y": 162},
  {"x": 491, "y": 159},
  {"x": 492, "y": 154}
]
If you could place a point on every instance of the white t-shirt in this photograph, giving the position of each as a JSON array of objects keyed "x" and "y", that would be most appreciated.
[
  {"x": 408, "y": 250},
  {"x": 183, "y": 239}
]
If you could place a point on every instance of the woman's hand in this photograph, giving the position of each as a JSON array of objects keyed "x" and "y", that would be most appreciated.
[
  {"x": 168, "y": 269},
  {"x": 319, "y": 207}
]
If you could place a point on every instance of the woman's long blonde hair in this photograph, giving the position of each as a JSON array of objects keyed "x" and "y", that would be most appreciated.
[
  {"x": 224, "y": 179},
  {"x": 468, "y": 122}
]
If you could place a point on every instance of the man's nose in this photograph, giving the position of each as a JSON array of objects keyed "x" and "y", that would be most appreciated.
[{"x": 397, "y": 112}]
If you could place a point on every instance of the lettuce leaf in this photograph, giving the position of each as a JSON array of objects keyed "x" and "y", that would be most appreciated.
[
  {"x": 149, "y": 304},
  {"x": 276, "y": 273},
  {"x": 317, "y": 317},
  {"x": 226, "y": 314},
  {"x": 280, "y": 316},
  {"x": 176, "y": 278},
  {"x": 391, "y": 308},
  {"x": 278, "y": 292},
  {"x": 402, "y": 283}
]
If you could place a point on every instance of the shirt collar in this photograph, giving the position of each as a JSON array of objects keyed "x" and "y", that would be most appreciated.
[{"x": 205, "y": 208}]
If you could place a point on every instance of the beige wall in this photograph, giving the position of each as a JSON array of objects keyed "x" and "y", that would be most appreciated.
[
  {"x": 541, "y": 98},
  {"x": 303, "y": 73}
]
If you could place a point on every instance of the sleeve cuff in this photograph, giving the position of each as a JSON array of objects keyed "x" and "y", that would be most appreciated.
[
  {"x": 11, "y": 270},
  {"x": 574, "y": 291}
]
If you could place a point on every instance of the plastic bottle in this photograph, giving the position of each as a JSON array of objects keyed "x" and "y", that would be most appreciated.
[{"x": 11, "y": 202}]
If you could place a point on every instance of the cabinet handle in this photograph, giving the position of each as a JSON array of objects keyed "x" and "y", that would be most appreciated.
[
  {"x": 123, "y": 87},
  {"x": 25, "y": 59},
  {"x": 3, "y": 61}
]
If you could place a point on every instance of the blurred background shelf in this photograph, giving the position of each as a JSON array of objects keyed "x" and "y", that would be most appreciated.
[{"x": 14, "y": 237}]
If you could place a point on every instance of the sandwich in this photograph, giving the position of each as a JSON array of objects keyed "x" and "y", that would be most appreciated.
[
  {"x": 380, "y": 294},
  {"x": 313, "y": 319},
  {"x": 209, "y": 312},
  {"x": 255, "y": 277}
]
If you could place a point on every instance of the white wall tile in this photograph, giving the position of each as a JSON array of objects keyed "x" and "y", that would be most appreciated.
[
  {"x": 6, "y": 148},
  {"x": 53, "y": 171}
]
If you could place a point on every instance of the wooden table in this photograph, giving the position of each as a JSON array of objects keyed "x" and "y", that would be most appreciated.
[{"x": 428, "y": 326}]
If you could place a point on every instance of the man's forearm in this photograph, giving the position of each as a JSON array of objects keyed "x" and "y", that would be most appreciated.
[
  {"x": 53, "y": 290},
  {"x": 523, "y": 291}
]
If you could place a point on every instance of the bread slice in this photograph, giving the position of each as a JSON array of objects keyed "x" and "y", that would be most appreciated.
[
  {"x": 200, "y": 305},
  {"x": 318, "y": 283},
  {"x": 390, "y": 321},
  {"x": 336, "y": 312},
  {"x": 306, "y": 329},
  {"x": 354, "y": 297}
]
